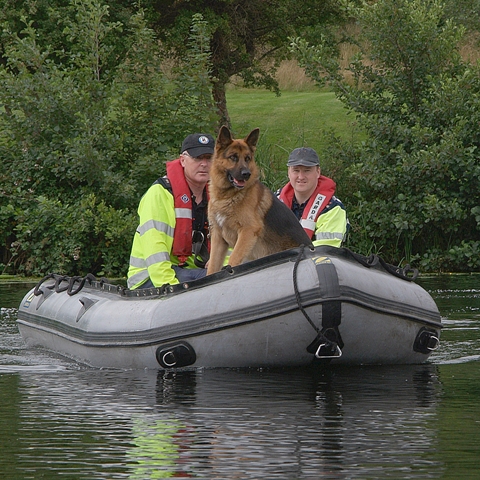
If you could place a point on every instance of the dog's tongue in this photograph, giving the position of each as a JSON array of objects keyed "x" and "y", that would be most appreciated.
[{"x": 239, "y": 183}]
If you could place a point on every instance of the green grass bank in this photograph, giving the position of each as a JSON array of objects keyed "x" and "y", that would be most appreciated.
[{"x": 294, "y": 119}]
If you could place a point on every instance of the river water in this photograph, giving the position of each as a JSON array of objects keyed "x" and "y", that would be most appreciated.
[{"x": 59, "y": 419}]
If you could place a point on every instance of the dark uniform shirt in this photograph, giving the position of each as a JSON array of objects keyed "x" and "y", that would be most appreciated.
[{"x": 297, "y": 208}]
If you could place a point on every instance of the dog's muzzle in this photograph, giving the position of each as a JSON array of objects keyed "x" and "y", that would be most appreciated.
[{"x": 238, "y": 181}]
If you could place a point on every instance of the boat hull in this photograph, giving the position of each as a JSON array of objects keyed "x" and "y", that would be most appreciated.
[{"x": 279, "y": 311}]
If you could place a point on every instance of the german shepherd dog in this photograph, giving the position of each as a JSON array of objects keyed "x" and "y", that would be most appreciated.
[{"x": 243, "y": 213}]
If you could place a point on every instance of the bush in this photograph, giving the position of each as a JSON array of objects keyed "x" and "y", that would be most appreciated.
[
  {"x": 416, "y": 177},
  {"x": 80, "y": 144},
  {"x": 66, "y": 238}
]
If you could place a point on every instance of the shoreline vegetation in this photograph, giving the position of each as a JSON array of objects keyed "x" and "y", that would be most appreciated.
[{"x": 80, "y": 144}]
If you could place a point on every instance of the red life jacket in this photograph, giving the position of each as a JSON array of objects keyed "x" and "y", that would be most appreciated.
[
  {"x": 319, "y": 199},
  {"x": 182, "y": 236}
]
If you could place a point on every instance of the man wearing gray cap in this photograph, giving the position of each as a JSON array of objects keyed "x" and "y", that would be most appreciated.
[
  {"x": 311, "y": 197},
  {"x": 170, "y": 244}
]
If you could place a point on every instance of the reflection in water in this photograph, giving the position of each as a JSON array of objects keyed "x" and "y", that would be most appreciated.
[
  {"x": 158, "y": 448},
  {"x": 458, "y": 299},
  {"x": 342, "y": 423},
  {"x": 290, "y": 424},
  {"x": 60, "y": 419}
]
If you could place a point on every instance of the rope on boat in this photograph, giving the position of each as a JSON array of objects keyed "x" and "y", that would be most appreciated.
[
  {"x": 321, "y": 343},
  {"x": 69, "y": 283},
  {"x": 81, "y": 282},
  {"x": 406, "y": 273},
  {"x": 297, "y": 293}
]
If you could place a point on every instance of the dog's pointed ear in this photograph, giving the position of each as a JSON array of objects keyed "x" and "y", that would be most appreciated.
[
  {"x": 252, "y": 138},
  {"x": 224, "y": 137}
]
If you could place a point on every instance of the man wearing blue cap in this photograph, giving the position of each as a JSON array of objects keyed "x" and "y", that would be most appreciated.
[
  {"x": 170, "y": 244},
  {"x": 311, "y": 197}
]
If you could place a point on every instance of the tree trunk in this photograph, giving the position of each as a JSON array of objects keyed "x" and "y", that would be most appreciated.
[{"x": 220, "y": 99}]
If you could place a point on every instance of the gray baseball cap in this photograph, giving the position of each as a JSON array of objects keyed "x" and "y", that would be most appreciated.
[{"x": 303, "y": 156}]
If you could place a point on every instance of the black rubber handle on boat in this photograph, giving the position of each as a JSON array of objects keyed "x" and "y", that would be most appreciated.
[{"x": 320, "y": 338}]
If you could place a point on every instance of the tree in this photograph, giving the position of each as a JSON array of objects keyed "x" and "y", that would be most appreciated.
[
  {"x": 79, "y": 145},
  {"x": 48, "y": 17},
  {"x": 416, "y": 178},
  {"x": 247, "y": 37},
  {"x": 464, "y": 12}
]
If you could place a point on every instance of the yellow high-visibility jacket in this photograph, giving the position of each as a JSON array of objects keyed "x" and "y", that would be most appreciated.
[
  {"x": 332, "y": 225},
  {"x": 151, "y": 255}
]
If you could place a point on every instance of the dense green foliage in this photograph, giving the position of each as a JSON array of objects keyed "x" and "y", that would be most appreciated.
[
  {"x": 79, "y": 146},
  {"x": 92, "y": 105},
  {"x": 415, "y": 181},
  {"x": 247, "y": 39}
]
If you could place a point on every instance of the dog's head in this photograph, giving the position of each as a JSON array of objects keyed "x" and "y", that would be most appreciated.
[{"x": 234, "y": 158}]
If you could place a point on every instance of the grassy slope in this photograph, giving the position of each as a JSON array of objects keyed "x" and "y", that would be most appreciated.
[{"x": 292, "y": 120}]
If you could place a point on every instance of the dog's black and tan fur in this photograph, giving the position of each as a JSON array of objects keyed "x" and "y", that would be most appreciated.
[{"x": 243, "y": 213}]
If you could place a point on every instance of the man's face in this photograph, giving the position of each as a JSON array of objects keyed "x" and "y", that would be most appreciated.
[
  {"x": 197, "y": 169},
  {"x": 303, "y": 179}
]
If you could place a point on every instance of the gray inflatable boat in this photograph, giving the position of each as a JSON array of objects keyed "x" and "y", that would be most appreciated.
[{"x": 296, "y": 308}]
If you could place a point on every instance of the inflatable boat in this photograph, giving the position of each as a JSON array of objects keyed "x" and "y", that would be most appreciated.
[{"x": 296, "y": 308}]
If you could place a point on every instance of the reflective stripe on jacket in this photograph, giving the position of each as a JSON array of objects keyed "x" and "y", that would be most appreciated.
[
  {"x": 153, "y": 241},
  {"x": 332, "y": 224}
]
